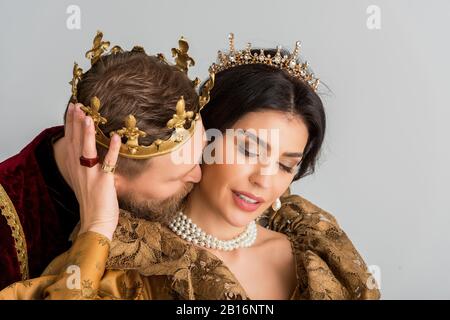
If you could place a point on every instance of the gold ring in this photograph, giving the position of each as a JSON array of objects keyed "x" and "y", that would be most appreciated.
[{"x": 108, "y": 168}]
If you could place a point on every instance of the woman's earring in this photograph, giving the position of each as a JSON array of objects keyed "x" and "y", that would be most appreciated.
[{"x": 276, "y": 205}]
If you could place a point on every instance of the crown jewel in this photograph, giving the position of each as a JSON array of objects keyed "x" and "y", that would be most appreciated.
[{"x": 286, "y": 62}]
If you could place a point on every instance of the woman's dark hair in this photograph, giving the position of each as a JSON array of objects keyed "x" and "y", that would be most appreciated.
[{"x": 256, "y": 87}]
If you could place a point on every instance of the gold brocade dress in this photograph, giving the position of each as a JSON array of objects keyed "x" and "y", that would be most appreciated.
[{"x": 146, "y": 260}]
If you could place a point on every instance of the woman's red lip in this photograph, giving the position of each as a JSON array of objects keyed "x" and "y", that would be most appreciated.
[
  {"x": 244, "y": 205},
  {"x": 251, "y": 196}
]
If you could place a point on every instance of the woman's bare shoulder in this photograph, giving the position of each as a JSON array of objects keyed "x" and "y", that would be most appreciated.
[{"x": 271, "y": 240}]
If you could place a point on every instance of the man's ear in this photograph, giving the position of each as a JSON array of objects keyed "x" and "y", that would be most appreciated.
[{"x": 120, "y": 183}]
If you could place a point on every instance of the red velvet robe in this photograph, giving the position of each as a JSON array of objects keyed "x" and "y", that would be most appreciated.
[{"x": 37, "y": 218}]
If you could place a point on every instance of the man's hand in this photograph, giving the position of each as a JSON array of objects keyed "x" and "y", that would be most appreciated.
[{"x": 94, "y": 188}]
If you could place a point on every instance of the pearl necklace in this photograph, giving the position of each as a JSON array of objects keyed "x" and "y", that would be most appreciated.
[{"x": 189, "y": 231}]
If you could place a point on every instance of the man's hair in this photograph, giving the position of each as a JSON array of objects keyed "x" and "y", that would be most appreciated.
[{"x": 141, "y": 85}]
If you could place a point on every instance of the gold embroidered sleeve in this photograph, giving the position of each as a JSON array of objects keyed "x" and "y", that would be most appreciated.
[
  {"x": 84, "y": 269},
  {"x": 331, "y": 267},
  {"x": 76, "y": 274}
]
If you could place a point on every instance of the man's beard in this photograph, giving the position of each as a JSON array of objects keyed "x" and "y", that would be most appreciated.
[{"x": 162, "y": 211}]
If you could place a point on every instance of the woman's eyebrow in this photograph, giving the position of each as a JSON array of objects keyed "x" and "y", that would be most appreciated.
[
  {"x": 267, "y": 145},
  {"x": 257, "y": 139}
]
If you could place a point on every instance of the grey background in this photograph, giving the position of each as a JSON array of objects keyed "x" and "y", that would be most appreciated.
[{"x": 384, "y": 171}]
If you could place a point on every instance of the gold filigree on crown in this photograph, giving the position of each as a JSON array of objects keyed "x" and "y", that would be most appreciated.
[
  {"x": 130, "y": 133},
  {"x": 286, "y": 62}
]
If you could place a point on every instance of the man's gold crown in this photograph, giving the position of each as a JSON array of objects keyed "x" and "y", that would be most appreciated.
[
  {"x": 286, "y": 62},
  {"x": 130, "y": 132}
]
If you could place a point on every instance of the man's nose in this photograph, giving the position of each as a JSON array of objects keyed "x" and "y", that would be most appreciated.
[{"x": 195, "y": 175}]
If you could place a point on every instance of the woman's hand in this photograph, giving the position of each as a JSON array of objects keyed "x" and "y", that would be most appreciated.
[{"x": 94, "y": 188}]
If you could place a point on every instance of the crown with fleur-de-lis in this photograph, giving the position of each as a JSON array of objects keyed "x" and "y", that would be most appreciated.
[
  {"x": 286, "y": 62},
  {"x": 130, "y": 133}
]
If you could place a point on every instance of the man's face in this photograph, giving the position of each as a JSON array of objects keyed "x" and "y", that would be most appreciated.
[{"x": 158, "y": 191}]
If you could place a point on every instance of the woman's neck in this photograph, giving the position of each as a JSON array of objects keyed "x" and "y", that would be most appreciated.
[{"x": 210, "y": 220}]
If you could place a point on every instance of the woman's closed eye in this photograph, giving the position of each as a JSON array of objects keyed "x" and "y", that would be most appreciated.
[
  {"x": 245, "y": 151},
  {"x": 248, "y": 148},
  {"x": 291, "y": 167},
  {"x": 251, "y": 154},
  {"x": 286, "y": 168}
]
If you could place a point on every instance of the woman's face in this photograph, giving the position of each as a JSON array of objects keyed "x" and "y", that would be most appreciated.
[{"x": 242, "y": 189}]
